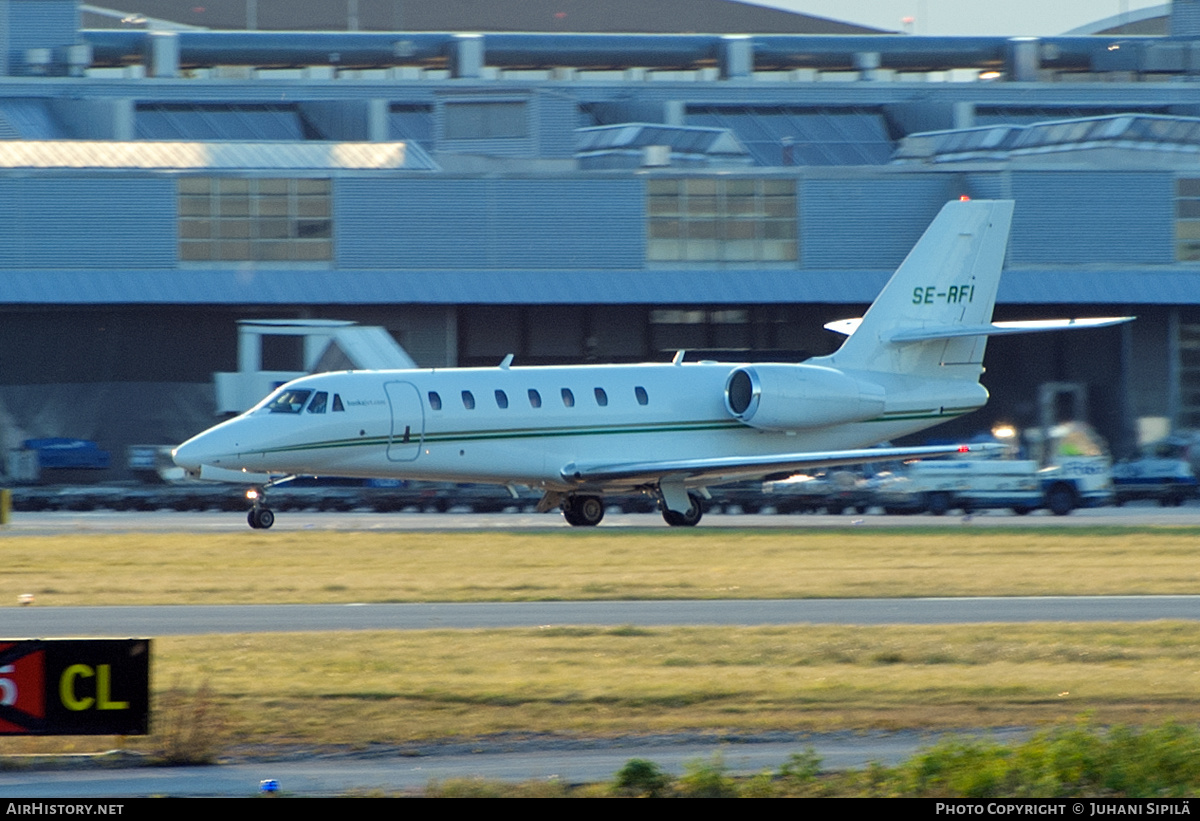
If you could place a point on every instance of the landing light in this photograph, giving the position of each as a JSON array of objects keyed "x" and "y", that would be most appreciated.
[{"x": 252, "y": 494}]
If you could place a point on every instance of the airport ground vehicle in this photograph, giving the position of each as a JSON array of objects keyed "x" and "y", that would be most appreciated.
[
  {"x": 1078, "y": 475},
  {"x": 1161, "y": 472},
  {"x": 834, "y": 492}
]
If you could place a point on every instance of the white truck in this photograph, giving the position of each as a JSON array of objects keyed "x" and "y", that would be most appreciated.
[
  {"x": 1161, "y": 472},
  {"x": 1079, "y": 474}
]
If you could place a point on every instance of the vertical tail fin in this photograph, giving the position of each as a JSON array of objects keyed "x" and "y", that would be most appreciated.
[{"x": 948, "y": 281}]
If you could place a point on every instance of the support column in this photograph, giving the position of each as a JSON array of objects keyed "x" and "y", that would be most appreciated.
[
  {"x": 737, "y": 57},
  {"x": 163, "y": 57},
  {"x": 1024, "y": 59},
  {"x": 467, "y": 59}
]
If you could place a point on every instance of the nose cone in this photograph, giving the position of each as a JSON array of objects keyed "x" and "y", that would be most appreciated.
[
  {"x": 188, "y": 455},
  {"x": 208, "y": 448}
]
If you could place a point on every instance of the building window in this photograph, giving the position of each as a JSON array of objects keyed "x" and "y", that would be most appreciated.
[
  {"x": 708, "y": 219},
  {"x": 1187, "y": 220},
  {"x": 485, "y": 120},
  {"x": 672, "y": 329},
  {"x": 258, "y": 220}
]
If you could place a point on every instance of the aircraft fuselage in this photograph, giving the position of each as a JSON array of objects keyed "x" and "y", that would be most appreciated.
[{"x": 525, "y": 425}]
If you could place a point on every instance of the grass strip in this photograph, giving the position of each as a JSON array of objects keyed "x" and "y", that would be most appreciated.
[
  {"x": 362, "y": 689},
  {"x": 337, "y": 567}
]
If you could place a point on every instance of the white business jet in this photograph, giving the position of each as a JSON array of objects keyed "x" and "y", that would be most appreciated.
[{"x": 671, "y": 430}]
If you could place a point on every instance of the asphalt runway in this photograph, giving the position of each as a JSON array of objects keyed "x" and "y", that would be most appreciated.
[
  {"x": 176, "y": 620},
  {"x": 46, "y": 523},
  {"x": 502, "y": 759}
]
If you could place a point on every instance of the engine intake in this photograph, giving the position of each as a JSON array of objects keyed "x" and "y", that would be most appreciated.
[{"x": 795, "y": 397}]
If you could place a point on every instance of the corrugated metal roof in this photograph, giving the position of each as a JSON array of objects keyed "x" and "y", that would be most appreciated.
[
  {"x": 214, "y": 157},
  {"x": 250, "y": 286}
]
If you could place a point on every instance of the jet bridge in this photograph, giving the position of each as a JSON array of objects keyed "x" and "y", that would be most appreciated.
[{"x": 329, "y": 345}]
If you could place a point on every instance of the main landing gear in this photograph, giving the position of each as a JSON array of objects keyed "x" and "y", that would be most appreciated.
[
  {"x": 688, "y": 518},
  {"x": 587, "y": 509},
  {"x": 582, "y": 510},
  {"x": 260, "y": 516}
]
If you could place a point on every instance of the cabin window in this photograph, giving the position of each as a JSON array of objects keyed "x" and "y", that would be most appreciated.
[
  {"x": 601, "y": 397},
  {"x": 318, "y": 403},
  {"x": 501, "y": 399},
  {"x": 568, "y": 397},
  {"x": 642, "y": 397},
  {"x": 468, "y": 400},
  {"x": 290, "y": 401},
  {"x": 535, "y": 399},
  {"x": 337, "y": 403},
  {"x": 435, "y": 401}
]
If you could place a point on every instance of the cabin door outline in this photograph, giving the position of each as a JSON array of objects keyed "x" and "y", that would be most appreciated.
[{"x": 408, "y": 421}]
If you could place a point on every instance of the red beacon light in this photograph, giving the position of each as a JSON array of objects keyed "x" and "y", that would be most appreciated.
[
  {"x": 964, "y": 449},
  {"x": 964, "y": 198}
]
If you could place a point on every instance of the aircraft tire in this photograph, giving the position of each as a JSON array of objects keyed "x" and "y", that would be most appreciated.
[
  {"x": 260, "y": 518},
  {"x": 583, "y": 511},
  {"x": 689, "y": 519},
  {"x": 589, "y": 510}
]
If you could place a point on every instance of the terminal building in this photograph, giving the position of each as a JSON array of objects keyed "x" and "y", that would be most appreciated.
[{"x": 572, "y": 194}]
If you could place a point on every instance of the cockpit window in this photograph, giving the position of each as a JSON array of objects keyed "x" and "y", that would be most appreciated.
[
  {"x": 289, "y": 401},
  {"x": 337, "y": 403},
  {"x": 319, "y": 401}
]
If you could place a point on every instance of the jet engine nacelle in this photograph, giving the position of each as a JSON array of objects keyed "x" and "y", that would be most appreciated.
[{"x": 793, "y": 397}]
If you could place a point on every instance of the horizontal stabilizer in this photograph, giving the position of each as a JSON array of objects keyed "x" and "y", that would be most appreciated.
[
  {"x": 1004, "y": 328},
  {"x": 697, "y": 471},
  {"x": 849, "y": 326}
]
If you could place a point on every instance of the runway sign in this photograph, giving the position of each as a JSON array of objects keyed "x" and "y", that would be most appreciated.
[{"x": 74, "y": 686}]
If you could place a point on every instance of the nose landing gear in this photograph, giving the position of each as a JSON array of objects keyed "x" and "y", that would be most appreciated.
[{"x": 260, "y": 516}]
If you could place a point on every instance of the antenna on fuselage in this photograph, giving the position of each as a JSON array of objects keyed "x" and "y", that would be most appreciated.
[
  {"x": 506, "y": 361},
  {"x": 678, "y": 359}
]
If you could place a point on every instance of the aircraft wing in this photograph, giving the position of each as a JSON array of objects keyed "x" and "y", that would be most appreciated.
[{"x": 730, "y": 468}]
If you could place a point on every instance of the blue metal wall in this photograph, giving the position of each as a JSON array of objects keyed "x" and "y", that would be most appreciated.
[
  {"x": 485, "y": 223},
  {"x": 1081, "y": 217},
  {"x": 98, "y": 222},
  {"x": 868, "y": 222},
  {"x": 37, "y": 24},
  {"x": 860, "y": 222}
]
